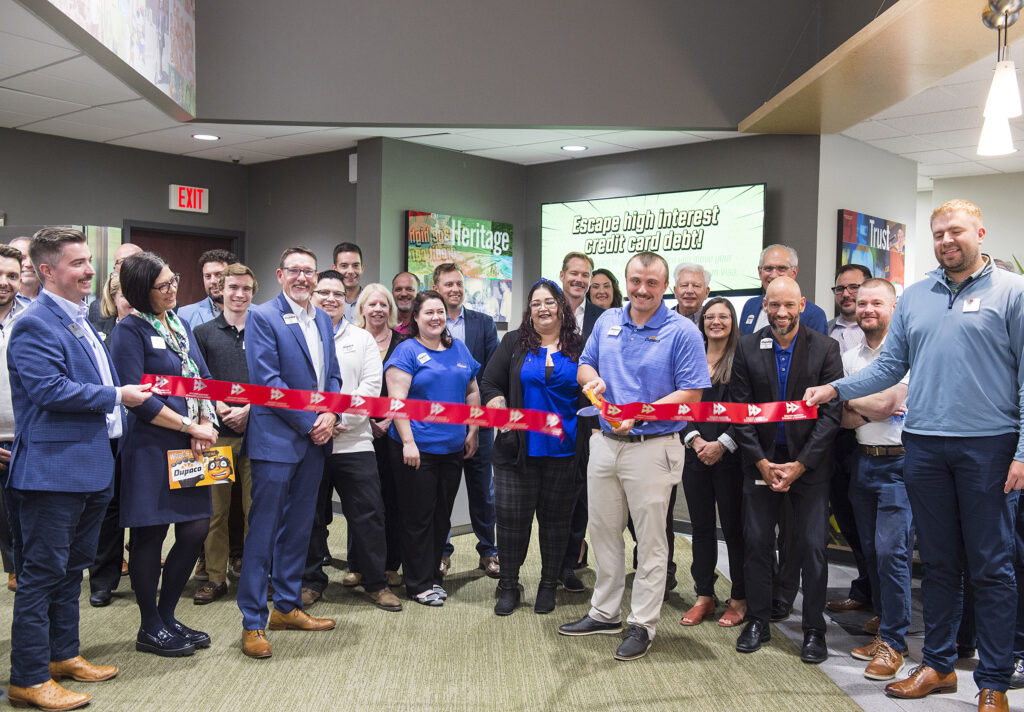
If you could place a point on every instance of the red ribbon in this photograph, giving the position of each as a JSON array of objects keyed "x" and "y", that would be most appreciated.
[
  {"x": 374, "y": 407},
  {"x": 742, "y": 413}
]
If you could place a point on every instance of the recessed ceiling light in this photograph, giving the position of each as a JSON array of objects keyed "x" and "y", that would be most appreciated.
[
  {"x": 205, "y": 137},
  {"x": 574, "y": 148}
]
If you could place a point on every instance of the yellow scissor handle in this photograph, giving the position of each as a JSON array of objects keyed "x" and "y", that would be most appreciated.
[{"x": 598, "y": 402}]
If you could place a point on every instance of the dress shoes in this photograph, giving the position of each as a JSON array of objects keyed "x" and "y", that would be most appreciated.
[
  {"x": 991, "y": 701},
  {"x": 384, "y": 599},
  {"x": 873, "y": 625},
  {"x": 446, "y": 563},
  {"x": 297, "y": 619},
  {"x": 201, "y": 573},
  {"x": 508, "y": 599},
  {"x": 847, "y": 604},
  {"x": 255, "y": 644},
  {"x": 1017, "y": 678},
  {"x": 545, "y": 601},
  {"x": 698, "y": 613},
  {"x": 164, "y": 643},
  {"x": 571, "y": 581},
  {"x": 869, "y": 651},
  {"x": 886, "y": 664},
  {"x": 12, "y": 582},
  {"x": 124, "y": 566},
  {"x": 101, "y": 598},
  {"x": 753, "y": 634},
  {"x": 489, "y": 565},
  {"x": 196, "y": 637},
  {"x": 635, "y": 645},
  {"x": 236, "y": 567},
  {"x": 209, "y": 592},
  {"x": 588, "y": 626},
  {"x": 48, "y": 696},
  {"x": 394, "y": 578},
  {"x": 814, "y": 651},
  {"x": 352, "y": 579},
  {"x": 310, "y": 596},
  {"x": 81, "y": 670},
  {"x": 923, "y": 681},
  {"x": 780, "y": 611}
]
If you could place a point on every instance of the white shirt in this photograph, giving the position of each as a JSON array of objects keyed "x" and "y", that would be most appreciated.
[
  {"x": 581, "y": 310},
  {"x": 362, "y": 373},
  {"x": 885, "y": 432},
  {"x": 307, "y": 322},
  {"x": 847, "y": 333},
  {"x": 762, "y": 320}
]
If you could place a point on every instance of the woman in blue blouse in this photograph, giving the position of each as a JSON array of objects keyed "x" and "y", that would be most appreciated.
[
  {"x": 535, "y": 367},
  {"x": 427, "y": 457},
  {"x": 153, "y": 340}
]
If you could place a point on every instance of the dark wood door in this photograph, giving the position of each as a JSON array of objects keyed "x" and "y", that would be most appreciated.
[{"x": 182, "y": 254}]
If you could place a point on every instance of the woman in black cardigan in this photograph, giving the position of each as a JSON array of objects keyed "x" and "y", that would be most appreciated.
[
  {"x": 535, "y": 367},
  {"x": 712, "y": 476}
]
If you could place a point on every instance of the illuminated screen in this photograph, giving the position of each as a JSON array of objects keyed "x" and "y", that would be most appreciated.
[{"x": 721, "y": 229}]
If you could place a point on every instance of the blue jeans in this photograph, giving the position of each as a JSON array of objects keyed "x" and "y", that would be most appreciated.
[
  {"x": 964, "y": 520},
  {"x": 882, "y": 509},
  {"x": 60, "y": 531},
  {"x": 480, "y": 491}
]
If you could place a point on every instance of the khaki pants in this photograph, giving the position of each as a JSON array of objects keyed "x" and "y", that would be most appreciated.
[
  {"x": 217, "y": 540},
  {"x": 631, "y": 479}
]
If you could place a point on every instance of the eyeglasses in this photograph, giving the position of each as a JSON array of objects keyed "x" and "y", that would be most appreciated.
[
  {"x": 329, "y": 294},
  {"x": 295, "y": 272},
  {"x": 166, "y": 287},
  {"x": 717, "y": 317},
  {"x": 775, "y": 268},
  {"x": 851, "y": 288},
  {"x": 549, "y": 303}
]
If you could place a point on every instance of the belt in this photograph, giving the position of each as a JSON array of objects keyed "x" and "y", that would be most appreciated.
[
  {"x": 636, "y": 438},
  {"x": 883, "y": 450}
]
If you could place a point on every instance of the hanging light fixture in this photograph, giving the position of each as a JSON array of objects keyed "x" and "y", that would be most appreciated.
[{"x": 1003, "y": 101}]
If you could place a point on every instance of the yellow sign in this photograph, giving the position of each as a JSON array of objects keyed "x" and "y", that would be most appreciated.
[{"x": 216, "y": 466}]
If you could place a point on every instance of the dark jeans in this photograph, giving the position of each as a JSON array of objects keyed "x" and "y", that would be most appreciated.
[
  {"x": 426, "y": 497},
  {"x": 705, "y": 488},
  {"x": 846, "y": 454},
  {"x": 6, "y": 529},
  {"x": 882, "y": 508},
  {"x": 392, "y": 516},
  {"x": 353, "y": 475},
  {"x": 547, "y": 487},
  {"x": 963, "y": 519},
  {"x": 59, "y": 531},
  {"x": 480, "y": 491}
]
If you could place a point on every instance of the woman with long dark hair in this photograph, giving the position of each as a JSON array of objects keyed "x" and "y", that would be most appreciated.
[
  {"x": 427, "y": 457},
  {"x": 604, "y": 289},
  {"x": 713, "y": 476},
  {"x": 535, "y": 367}
]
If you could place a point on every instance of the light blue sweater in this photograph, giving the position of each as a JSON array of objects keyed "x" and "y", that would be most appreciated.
[{"x": 968, "y": 365}]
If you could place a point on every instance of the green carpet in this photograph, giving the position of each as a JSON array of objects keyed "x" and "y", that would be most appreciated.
[{"x": 459, "y": 657}]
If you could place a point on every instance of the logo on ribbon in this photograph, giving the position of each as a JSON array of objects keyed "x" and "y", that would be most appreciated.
[
  {"x": 236, "y": 389},
  {"x": 552, "y": 420},
  {"x": 198, "y": 385},
  {"x": 792, "y": 407},
  {"x": 161, "y": 382},
  {"x": 612, "y": 410},
  {"x": 683, "y": 409},
  {"x": 648, "y": 408},
  {"x": 514, "y": 416},
  {"x": 717, "y": 409},
  {"x": 276, "y": 394},
  {"x": 475, "y": 412},
  {"x": 753, "y": 409},
  {"x": 436, "y": 408},
  {"x": 396, "y": 404},
  {"x": 315, "y": 398},
  {"x": 358, "y": 401}
]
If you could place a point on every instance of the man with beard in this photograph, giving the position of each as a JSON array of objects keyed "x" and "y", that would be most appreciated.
[
  {"x": 785, "y": 460},
  {"x": 404, "y": 288},
  {"x": 211, "y": 264},
  {"x": 29, "y": 280},
  {"x": 348, "y": 262}
]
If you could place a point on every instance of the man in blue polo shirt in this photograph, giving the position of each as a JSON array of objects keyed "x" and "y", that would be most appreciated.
[{"x": 642, "y": 352}]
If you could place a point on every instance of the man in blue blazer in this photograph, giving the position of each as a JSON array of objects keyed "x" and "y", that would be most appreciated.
[
  {"x": 67, "y": 407},
  {"x": 478, "y": 332},
  {"x": 288, "y": 344},
  {"x": 778, "y": 261}
]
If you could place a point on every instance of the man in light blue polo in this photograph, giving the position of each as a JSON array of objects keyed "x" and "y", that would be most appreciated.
[{"x": 642, "y": 352}]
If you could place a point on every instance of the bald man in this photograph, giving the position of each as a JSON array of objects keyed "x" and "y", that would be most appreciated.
[
  {"x": 787, "y": 460},
  {"x": 123, "y": 252}
]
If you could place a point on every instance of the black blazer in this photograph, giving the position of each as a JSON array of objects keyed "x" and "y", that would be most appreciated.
[
  {"x": 481, "y": 338},
  {"x": 590, "y": 313},
  {"x": 816, "y": 360}
]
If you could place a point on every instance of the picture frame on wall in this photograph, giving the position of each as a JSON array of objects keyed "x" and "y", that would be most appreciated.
[{"x": 876, "y": 243}]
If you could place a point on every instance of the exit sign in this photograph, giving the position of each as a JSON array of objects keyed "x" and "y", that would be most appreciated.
[{"x": 189, "y": 198}]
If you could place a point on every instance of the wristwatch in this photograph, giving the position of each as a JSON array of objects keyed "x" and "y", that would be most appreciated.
[{"x": 186, "y": 422}]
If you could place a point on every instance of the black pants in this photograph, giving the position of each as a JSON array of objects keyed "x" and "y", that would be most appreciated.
[
  {"x": 547, "y": 487},
  {"x": 842, "y": 510},
  {"x": 105, "y": 571},
  {"x": 6, "y": 538},
  {"x": 425, "y": 497},
  {"x": 353, "y": 475},
  {"x": 762, "y": 509},
  {"x": 392, "y": 515},
  {"x": 705, "y": 487}
]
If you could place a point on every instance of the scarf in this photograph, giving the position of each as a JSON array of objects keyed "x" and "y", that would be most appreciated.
[{"x": 177, "y": 339}]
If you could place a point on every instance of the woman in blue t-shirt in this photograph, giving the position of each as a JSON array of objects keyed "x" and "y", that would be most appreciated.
[
  {"x": 427, "y": 457},
  {"x": 535, "y": 367}
]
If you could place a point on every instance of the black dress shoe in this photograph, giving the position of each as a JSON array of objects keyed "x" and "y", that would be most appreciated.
[
  {"x": 99, "y": 599},
  {"x": 814, "y": 650},
  {"x": 754, "y": 633},
  {"x": 163, "y": 642},
  {"x": 572, "y": 582},
  {"x": 508, "y": 599},
  {"x": 635, "y": 645},
  {"x": 588, "y": 626},
  {"x": 545, "y": 602},
  {"x": 780, "y": 611},
  {"x": 196, "y": 637}
]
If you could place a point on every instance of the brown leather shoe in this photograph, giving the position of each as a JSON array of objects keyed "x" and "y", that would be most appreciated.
[
  {"x": 297, "y": 619},
  {"x": 992, "y": 701},
  {"x": 12, "y": 582},
  {"x": 351, "y": 579},
  {"x": 867, "y": 652},
  {"x": 201, "y": 573},
  {"x": 847, "y": 604},
  {"x": 490, "y": 566},
  {"x": 255, "y": 644},
  {"x": 446, "y": 563},
  {"x": 209, "y": 592},
  {"x": 48, "y": 696},
  {"x": 872, "y": 626},
  {"x": 124, "y": 566},
  {"x": 385, "y": 599},
  {"x": 394, "y": 578},
  {"x": 236, "y": 567},
  {"x": 310, "y": 596},
  {"x": 923, "y": 681},
  {"x": 886, "y": 664},
  {"x": 81, "y": 670}
]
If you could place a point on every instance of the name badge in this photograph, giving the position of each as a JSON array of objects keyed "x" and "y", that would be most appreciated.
[
  {"x": 766, "y": 343},
  {"x": 750, "y": 318},
  {"x": 972, "y": 305},
  {"x": 76, "y": 330},
  {"x": 423, "y": 358},
  {"x": 291, "y": 319},
  {"x": 349, "y": 348},
  {"x": 614, "y": 331},
  {"x": 158, "y": 342}
]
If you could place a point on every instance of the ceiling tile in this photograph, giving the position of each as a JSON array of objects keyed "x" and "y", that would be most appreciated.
[
  {"x": 523, "y": 155},
  {"x": 179, "y": 139},
  {"x": 282, "y": 146},
  {"x": 927, "y": 102},
  {"x": 966, "y": 168},
  {"x": 953, "y": 139},
  {"x": 594, "y": 148},
  {"x": 20, "y": 54},
  {"x": 16, "y": 20},
  {"x": 455, "y": 142},
  {"x": 939, "y": 121},
  {"x": 333, "y": 139},
  {"x": 38, "y": 106},
  {"x": 902, "y": 144},
  {"x": 515, "y": 137},
  {"x": 871, "y": 130},
  {"x": 67, "y": 89},
  {"x": 142, "y": 109},
  {"x": 935, "y": 157},
  {"x": 229, "y": 153},
  {"x": 1006, "y": 164},
  {"x": 650, "y": 139},
  {"x": 123, "y": 122},
  {"x": 10, "y": 119},
  {"x": 395, "y": 131},
  {"x": 71, "y": 129}
]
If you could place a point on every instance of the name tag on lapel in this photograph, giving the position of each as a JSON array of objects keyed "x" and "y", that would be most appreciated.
[
  {"x": 750, "y": 318},
  {"x": 766, "y": 343},
  {"x": 158, "y": 342},
  {"x": 76, "y": 330},
  {"x": 291, "y": 319}
]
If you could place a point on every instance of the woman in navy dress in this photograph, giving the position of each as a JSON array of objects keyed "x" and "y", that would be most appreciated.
[{"x": 153, "y": 340}]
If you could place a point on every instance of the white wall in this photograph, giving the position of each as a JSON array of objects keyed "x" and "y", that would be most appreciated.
[
  {"x": 1000, "y": 198},
  {"x": 920, "y": 255},
  {"x": 856, "y": 176}
]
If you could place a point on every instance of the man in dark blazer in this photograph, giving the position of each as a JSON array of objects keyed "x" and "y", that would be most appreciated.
[
  {"x": 67, "y": 407},
  {"x": 478, "y": 332},
  {"x": 791, "y": 459},
  {"x": 288, "y": 344}
]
